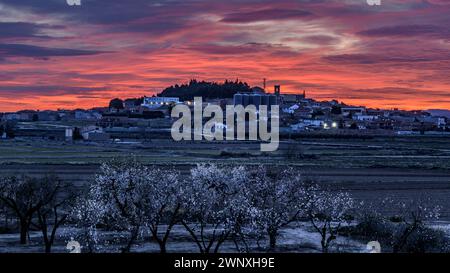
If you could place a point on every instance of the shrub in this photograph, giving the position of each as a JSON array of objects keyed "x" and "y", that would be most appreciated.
[
  {"x": 426, "y": 240},
  {"x": 374, "y": 228}
]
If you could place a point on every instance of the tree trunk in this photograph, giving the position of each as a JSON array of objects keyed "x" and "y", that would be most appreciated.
[
  {"x": 134, "y": 235},
  {"x": 162, "y": 247},
  {"x": 161, "y": 242},
  {"x": 398, "y": 246},
  {"x": 48, "y": 247},
  {"x": 324, "y": 242},
  {"x": 219, "y": 243},
  {"x": 23, "y": 232},
  {"x": 194, "y": 237},
  {"x": 127, "y": 248},
  {"x": 48, "y": 242},
  {"x": 272, "y": 239},
  {"x": 324, "y": 246}
]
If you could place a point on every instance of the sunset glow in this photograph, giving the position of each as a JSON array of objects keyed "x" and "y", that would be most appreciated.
[{"x": 56, "y": 56}]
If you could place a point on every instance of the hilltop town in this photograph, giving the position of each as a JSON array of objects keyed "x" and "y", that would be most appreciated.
[
  {"x": 149, "y": 117},
  {"x": 351, "y": 154}
]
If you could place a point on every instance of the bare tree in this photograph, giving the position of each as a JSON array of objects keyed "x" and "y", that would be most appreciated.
[
  {"x": 327, "y": 211},
  {"x": 55, "y": 211},
  {"x": 411, "y": 215},
  {"x": 277, "y": 198},
  {"x": 25, "y": 196}
]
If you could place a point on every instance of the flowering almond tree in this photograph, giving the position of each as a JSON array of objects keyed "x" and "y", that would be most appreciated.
[
  {"x": 327, "y": 211},
  {"x": 277, "y": 199},
  {"x": 216, "y": 206},
  {"x": 165, "y": 204},
  {"x": 137, "y": 198},
  {"x": 87, "y": 214},
  {"x": 411, "y": 216},
  {"x": 123, "y": 189},
  {"x": 26, "y": 196}
]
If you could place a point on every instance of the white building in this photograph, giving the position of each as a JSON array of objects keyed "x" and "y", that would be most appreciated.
[
  {"x": 353, "y": 110},
  {"x": 154, "y": 102},
  {"x": 308, "y": 123},
  {"x": 291, "y": 110},
  {"x": 365, "y": 117},
  {"x": 94, "y": 133},
  {"x": 87, "y": 115}
]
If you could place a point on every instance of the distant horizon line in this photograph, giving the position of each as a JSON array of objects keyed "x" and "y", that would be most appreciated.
[{"x": 340, "y": 102}]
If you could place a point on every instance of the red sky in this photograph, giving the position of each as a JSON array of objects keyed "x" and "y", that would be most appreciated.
[{"x": 56, "y": 56}]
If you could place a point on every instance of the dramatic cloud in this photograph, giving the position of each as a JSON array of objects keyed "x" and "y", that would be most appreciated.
[
  {"x": 265, "y": 15},
  {"x": 52, "y": 90},
  {"x": 55, "y": 55},
  {"x": 18, "y": 50},
  {"x": 408, "y": 31},
  {"x": 23, "y": 30},
  {"x": 383, "y": 58}
]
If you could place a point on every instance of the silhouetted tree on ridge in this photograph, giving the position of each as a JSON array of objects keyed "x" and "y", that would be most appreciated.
[{"x": 210, "y": 90}]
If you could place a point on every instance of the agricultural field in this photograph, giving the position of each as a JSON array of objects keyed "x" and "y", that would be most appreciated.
[
  {"x": 431, "y": 153},
  {"x": 370, "y": 170}
]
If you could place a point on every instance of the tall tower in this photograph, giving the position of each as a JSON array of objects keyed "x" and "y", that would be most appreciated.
[
  {"x": 277, "y": 90},
  {"x": 264, "y": 84}
]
